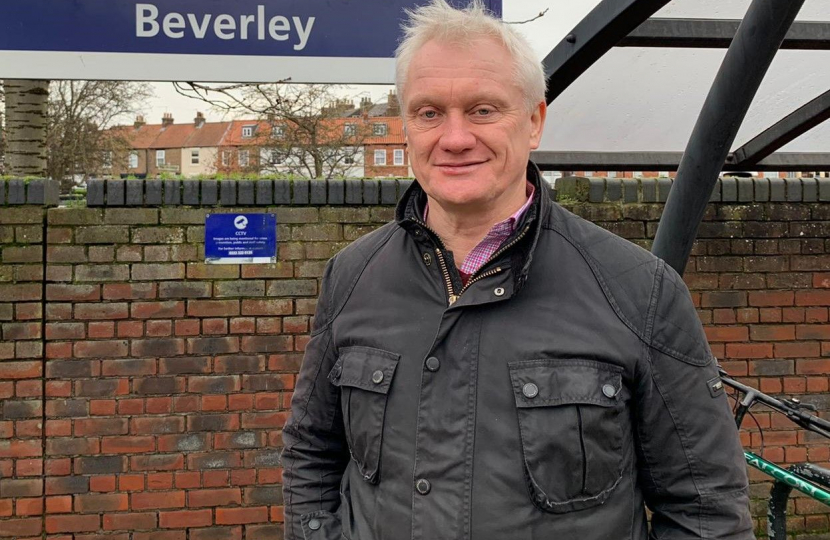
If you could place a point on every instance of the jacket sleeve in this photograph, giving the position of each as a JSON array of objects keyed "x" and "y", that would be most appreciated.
[
  {"x": 690, "y": 463},
  {"x": 315, "y": 453}
]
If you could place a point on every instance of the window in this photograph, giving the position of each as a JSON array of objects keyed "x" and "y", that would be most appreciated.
[
  {"x": 194, "y": 157},
  {"x": 133, "y": 162},
  {"x": 226, "y": 158},
  {"x": 380, "y": 157},
  {"x": 107, "y": 159},
  {"x": 348, "y": 160},
  {"x": 276, "y": 157},
  {"x": 278, "y": 132},
  {"x": 350, "y": 130},
  {"x": 398, "y": 157},
  {"x": 248, "y": 132},
  {"x": 159, "y": 158},
  {"x": 379, "y": 130},
  {"x": 243, "y": 158}
]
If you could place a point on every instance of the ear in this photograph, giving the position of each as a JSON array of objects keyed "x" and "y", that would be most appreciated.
[{"x": 537, "y": 124}]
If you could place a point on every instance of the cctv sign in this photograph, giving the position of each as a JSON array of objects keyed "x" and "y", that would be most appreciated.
[
  {"x": 240, "y": 238},
  {"x": 337, "y": 41}
]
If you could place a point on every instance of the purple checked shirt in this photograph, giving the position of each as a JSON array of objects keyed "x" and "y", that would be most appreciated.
[{"x": 491, "y": 242}]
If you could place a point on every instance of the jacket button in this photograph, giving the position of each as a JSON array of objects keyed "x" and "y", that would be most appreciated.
[
  {"x": 499, "y": 291},
  {"x": 423, "y": 486},
  {"x": 530, "y": 390},
  {"x": 433, "y": 364},
  {"x": 609, "y": 390},
  {"x": 377, "y": 377},
  {"x": 314, "y": 524},
  {"x": 427, "y": 259}
]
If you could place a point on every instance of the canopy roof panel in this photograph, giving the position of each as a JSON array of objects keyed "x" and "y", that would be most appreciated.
[{"x": 813, "y": 10}]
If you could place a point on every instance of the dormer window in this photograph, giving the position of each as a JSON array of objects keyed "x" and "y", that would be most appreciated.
[
  {"x": 247, "y": 132},
  {"x": 350, "y": 130},
  {"x": 278, "y": 132},
  {"x": 379, "y": 130}
]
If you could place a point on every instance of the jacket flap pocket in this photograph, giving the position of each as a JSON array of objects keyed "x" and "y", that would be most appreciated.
[
  {"x": 365, "y": 368},
  {"x": 321, "y": 525},
  {"x": 550, "y": 382}
]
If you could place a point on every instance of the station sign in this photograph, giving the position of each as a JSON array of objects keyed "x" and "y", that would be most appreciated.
[
  {"x": 241, "y": 238},
  {"x": 336, "y": 41}
]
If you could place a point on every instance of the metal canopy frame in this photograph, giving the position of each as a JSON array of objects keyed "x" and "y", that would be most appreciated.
[
  {"x": 752, "y": 44},
  {"x": 718, "y": 34}
]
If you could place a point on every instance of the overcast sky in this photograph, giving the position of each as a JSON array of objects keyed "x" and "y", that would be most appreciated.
[{"x": 632, "y": 99}]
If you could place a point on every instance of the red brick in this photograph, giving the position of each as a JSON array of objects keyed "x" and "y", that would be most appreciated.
[
  {"x": 131, "y": 482},
  {"x": 243, "y": 477},
  {"x": 212, "y": 308},
  {"x": 20, "y": 370},
  {"x": 20, "y": 527},
  {"x": 147, "y": 500},
  {"x": 130, "y": 328},
  {"x": 214, "y": 497},
  {"x": 157, "y": 481},
  {"x": 20, "y": 448},
  {"x": 215, "y": 326},
  {"x": 110, "y": 502},
  {"x": 127, "y": 445},
  {"x": 813, "y": 331},
  {"x": 797, "y": 350},
  {"x": 185, "y": 518},
  {"x": 29, "y": 507},
  {"x": 187, "y": 327},
  {"x": 821, "y": 280},
  {"x": 793, "y": 314},
  {"x": 100, "y": 311},
  {"x": 102, "y": 483},
  {"x": 100, "y": 426},
  {"x": 159, "y": 328},
  {"x": 216, "y": 478},
  {"x": 817, "y": 384},
  {"x": 214, "y": 403},
  {"x": 130, "y": 522},
  {"x": 59, "y": 504},
  {"x": 267, "y": 307},
  {"x": 131, "y": 406},
  {"x": 65, "y": 331},
  {"x": 158, "y": 310},
  {"x": 157, "y": 462},
  {"x": 6, "y": 510},
  {"x": 101, "y": 329},
  {"x": 812, "y": 367},
  {"x": 29, "y": 467},
  {"x": 100, "y": 349},
  {"x": 812, "y": 298},
  {"x": 795, "y": 385},
  {"x": 57, "y": 467},
  {"x": 723, "y": 333},
  {"x": 243, "y": 325},
  {"x": 749, "y": 350},
  {"x": 221, "y": 533},
  {"x": 129, "y": 291},
  {"x": 18, "y": 331},
  {"x": 816, "y": 315},
  {"x": 73, "y": 293},
  {"x": 70, "y": 524},
  {"x": 778, "y": 332},
  {"x": 158, "y": 535},
  {"x": 59, "y": 350},
  {"x": 240, "y": 516},
  {"x": 771, "y": 298},
  {"x": 29, "y": 389},
  {"x": 188, "y": 480},
  {"x": 264, "y": 420}
]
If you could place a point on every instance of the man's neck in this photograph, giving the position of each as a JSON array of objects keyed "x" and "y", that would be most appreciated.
[{"x": 461, "y": 229}]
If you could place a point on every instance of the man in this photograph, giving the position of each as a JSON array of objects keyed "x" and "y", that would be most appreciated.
[{"x": 490, "y": 366}]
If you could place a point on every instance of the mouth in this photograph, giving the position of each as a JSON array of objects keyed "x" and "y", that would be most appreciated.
[{"x": 463, "y": 167}]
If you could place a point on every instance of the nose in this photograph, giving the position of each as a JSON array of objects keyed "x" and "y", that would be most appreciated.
[{"x": 456, "y": 136}]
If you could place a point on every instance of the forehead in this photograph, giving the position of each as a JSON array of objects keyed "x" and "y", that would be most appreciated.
[{"x": 478, "y": 66}]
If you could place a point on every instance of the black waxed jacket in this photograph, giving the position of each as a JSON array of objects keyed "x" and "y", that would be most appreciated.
[{"x": 566, "y": 387}]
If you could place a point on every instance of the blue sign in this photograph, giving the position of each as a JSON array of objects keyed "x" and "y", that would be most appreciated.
[
  {"x": 240, "y": 238},
  {"x": 76, "y": 39}
]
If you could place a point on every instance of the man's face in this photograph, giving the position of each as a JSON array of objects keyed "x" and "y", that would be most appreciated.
[{"x": 468, "y": 127}]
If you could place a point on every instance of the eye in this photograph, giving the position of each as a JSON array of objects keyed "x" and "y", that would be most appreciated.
[
  {"x": 483, "y": 111},
  {"x": 429, "y": 114}
]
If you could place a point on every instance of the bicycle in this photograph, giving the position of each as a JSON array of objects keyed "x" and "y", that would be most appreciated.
[{"x": 810, "y": 479}]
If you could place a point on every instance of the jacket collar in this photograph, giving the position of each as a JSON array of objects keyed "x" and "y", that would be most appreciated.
[{"x": 410, "y": 210}]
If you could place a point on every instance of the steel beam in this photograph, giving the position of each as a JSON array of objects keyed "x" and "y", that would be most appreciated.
[
  {"x": 718, "y": 34},
  {"x": 746, "y": 62},
  {"x": 670, "y": 161},
  {"x": 785, "y": 130},
  {"x": 601, "y": 29}
]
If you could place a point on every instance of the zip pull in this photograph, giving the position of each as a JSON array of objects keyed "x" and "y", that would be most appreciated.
[{"x": 453, "y": 298}]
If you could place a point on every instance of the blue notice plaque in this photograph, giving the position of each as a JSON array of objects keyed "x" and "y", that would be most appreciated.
[{"x": 240, "y": 238}]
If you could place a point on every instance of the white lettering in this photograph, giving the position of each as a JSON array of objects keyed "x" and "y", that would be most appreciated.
[
  {"x": 279, "y": 24},
  {"x": 173, "y": 24},
  {"x": 223, "y": 23},
  {"x": 260, "y": 22},
  {"x": 176, "y": 25},
  {"x": 302, "y": 32},
  {"x": 244, "y": 21},
  {"x": 146, "y": 14},
  {"x": 199, "y": 31}
]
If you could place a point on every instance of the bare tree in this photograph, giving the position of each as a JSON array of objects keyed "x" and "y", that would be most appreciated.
[
  {"x": 26, "y": 125},
  {"x": 80, "y": 113},
  {"x": 309, "y": 132}
]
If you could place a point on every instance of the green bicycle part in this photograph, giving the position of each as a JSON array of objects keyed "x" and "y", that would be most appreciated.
[{"x": 787, "y": 477}]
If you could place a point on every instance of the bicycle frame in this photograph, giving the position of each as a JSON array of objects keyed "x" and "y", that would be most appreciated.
[{"x": 782, "y": 475}]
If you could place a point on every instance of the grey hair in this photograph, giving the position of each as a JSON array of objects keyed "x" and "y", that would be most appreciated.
[{"x": 438, "y": 20}]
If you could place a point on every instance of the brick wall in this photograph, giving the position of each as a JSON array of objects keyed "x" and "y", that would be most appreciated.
[{"x": 144, "y": 394}]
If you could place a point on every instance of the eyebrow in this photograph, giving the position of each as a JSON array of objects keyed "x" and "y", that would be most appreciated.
[{"x": 421, "y": 100}]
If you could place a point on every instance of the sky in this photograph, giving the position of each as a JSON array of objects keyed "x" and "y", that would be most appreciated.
[{"x": 632, "y": 99}]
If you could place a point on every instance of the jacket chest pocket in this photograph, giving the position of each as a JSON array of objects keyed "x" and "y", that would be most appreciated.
[
  {"x": 364, "y": 376},
  {"x": 570, "y": 416}
]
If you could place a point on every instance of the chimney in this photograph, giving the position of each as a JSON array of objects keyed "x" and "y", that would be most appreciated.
[
  {"x": 139, "y": 122},
  {"x": 393, "y": 105},
  {"x": 167, "y": 119},
  {"x": 199, "y": 121},
  {"x": 365, "y": 104}
]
